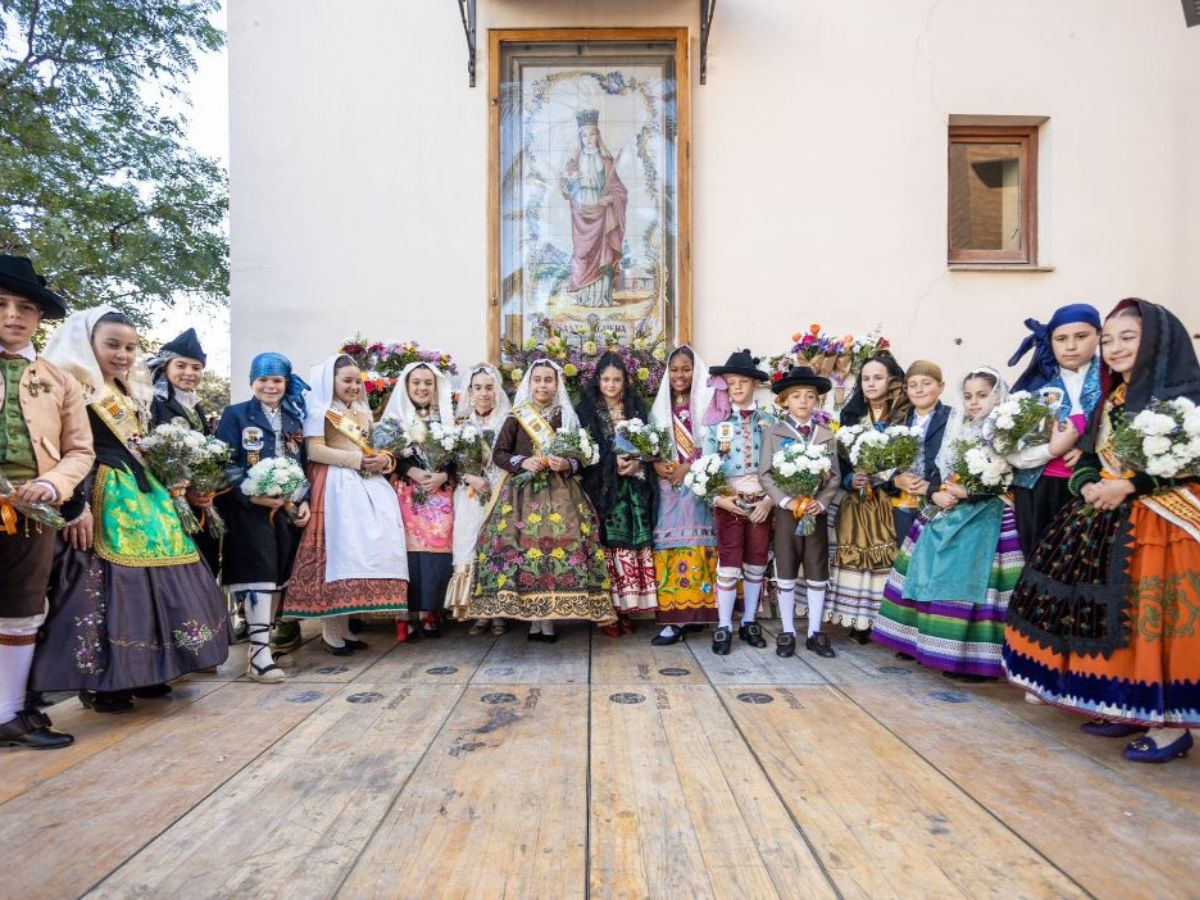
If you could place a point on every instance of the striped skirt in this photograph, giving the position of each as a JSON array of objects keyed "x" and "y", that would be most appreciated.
[{"x": 950, "y": 615}]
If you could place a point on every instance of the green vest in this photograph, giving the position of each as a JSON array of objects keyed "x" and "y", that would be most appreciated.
[{"x": 16, "y": 448}]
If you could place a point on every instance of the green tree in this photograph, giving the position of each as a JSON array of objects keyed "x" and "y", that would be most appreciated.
[{"x": 97, "y": 183}]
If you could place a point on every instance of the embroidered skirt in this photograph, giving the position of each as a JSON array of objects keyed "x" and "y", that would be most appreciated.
[
  {"x": 429, "y": 531},
  {"x": 685, "y": 558},
  {"x": 1106, "y": 619},
  {"x": 540, "y": 557},
  {"x": 946, "y": 600}
]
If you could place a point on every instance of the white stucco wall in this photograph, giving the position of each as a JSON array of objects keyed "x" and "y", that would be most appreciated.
[{"x": 359, "y": 166}]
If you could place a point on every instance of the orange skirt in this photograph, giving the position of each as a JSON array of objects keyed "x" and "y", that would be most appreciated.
[{"x": 1152, "y": 676}]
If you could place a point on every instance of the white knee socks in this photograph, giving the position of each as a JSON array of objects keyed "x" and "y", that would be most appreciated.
[
  {"x": 787, "y": 605},
  {"x": 258, "y": 609},
  {"x": 752, "y": 584},
  {"x": 816, "y": 607},
  {"x": 335, "y": 630},
  {"x": 15, "y": 663},
  {"x": 727, "y": 580}
]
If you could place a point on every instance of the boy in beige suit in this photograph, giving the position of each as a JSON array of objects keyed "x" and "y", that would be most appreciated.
[
  {"x": 799, "y": 393},
  {"x": 45, "y": 451}
]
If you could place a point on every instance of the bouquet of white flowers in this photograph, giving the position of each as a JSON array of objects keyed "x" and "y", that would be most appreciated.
[
  {"x": 799, "y": 470},
  {"x": 438, "y": 448},
  {"x": 1021, "y": 421},
  {"x": 1162, "y": 440},
  {"x": 170, "y": 452},
  {"x": 980, "y": 469},
  {"x": 390, "y": 436},
  {"x": 706, "y": 478},
  {"x": 210, "y": 474},
  {"x": 279, "y": 478},
  {"x": 43, "y": 513},
  {"x": 642, "y": 440},
  {"x": 569, "y": 443},
  {"x": 880, "y": 452},
  {"x": 473, "y": 454}
]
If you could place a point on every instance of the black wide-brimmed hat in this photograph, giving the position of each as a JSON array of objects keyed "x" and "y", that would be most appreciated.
[
  {"x": 802, "y": 376},
  {"x": 740, "y": 362},
  {"x": 18, "y": 277},
  {"x": 186, "y": 345}
]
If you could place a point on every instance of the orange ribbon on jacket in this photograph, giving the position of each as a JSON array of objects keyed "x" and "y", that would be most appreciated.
[{"x": 8, "y": 516}]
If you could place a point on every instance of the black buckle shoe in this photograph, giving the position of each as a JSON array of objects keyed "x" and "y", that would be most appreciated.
[
  {"x": 31, "y": 728},
  {"x": 722, "y": 641},
  {"x": 751, "y": 633},
  {"x": 102, "y": 702},
  {"x": 785, "y": 645},
  {"x": 355, "y": 645},
  {"x": 820, "y": 644},
  {"x": 152, "y": 691},
  {"x": 335, "y": 651}
]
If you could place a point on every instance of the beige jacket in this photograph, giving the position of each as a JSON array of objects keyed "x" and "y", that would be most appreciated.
[
  {"x": 52, "y": 404},
  {"x": 773, "y": 440}
]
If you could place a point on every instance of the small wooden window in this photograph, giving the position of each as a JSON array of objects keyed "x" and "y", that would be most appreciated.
[{"x": 993, "y": 194}]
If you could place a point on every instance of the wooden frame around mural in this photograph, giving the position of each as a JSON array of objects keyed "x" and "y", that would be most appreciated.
[{"x": 497, "y": 39}]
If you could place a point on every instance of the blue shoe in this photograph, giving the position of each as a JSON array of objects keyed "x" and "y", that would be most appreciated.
[
  {"x": 1144, "y": 749},
  {"x": 1102, "y": 728}
]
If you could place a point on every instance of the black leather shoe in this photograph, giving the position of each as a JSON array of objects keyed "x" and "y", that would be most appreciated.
[
  {"x": 751, "y": 633},
  {"x": 31, "y": 728},
  {"x": 662, "y": 640},
  {"x": 820, "y": 644},
  {"x": 356, "y": 625},
  {"x": 335, "y": 651},
  {"x": 549, "y": 638},
  {"x": 152, "y": 691},
  {"x": 101, "y": 702},
  {"x": 536, "y": 636},
  {"x": 785, "y": 645},
  {"x": 722, "y": 641},
  {"x": 355, "y": 645},
  {"x": 860, "y": 635}
]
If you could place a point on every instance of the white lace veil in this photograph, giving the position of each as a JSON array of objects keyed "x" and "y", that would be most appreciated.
[
  {"x": 570, "y": 421},
  {"x": 70, "y": 348},
  {"x": 320, "y": 398},
  {"x": 499, "y": 411},
  {"x": 958, "y": 428},
  {"x": 401, "y": 407},
  {"x": 661, "y": 413}
]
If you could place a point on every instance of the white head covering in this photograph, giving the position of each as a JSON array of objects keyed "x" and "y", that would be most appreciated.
[
  {"x": 570, "y": 421},
  {"x": 958, "y": 427},
  {"x": 400, "y": 405},
  {"x": 321, "y": 398},
  {"x": 661, "y": 414},
  {"x": 70, "y": 348},
  {"x": 499, "y": 411}
]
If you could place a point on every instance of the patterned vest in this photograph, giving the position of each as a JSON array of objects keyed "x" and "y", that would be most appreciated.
[{"x": 16, "y": 448}]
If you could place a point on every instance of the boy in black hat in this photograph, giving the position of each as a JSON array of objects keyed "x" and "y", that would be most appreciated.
[
  {"x": 799, "y": 393},
  {"x": 45, "y": 451},
  {"x": 743, "y": 518}
]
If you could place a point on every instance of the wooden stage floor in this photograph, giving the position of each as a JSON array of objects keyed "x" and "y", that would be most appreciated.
[{"x": 492, "y": 767}]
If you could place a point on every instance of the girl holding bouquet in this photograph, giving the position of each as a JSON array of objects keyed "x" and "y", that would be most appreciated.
[
  {"x": 1103, "y": 619},
  {"x": 351, "y": 558},
  {"x": 1066, "y": 368},
  {"x": 622, "y": 492},
  {"x": 923, "y": 386},
  {"x": 483, "y": 406},
  {"x": 539, "y": 555},
  {"x": 176, "y": 371},
  {"x": 423, "y": 398},
  {"x": 947, "y": 597},
  {"x": 866, "y": 529},
  {"x": 685, "y": 539},
  {"x": 260, "y": 546},
  {"x": 132, "y": 605}
]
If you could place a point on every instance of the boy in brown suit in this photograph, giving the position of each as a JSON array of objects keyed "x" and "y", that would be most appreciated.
[
  {"x": 799, "y": 393},
  {"x": 45, "y": 451}
]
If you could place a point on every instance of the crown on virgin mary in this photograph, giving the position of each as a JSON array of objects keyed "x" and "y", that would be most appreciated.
[{"x": 588, "y": 117}]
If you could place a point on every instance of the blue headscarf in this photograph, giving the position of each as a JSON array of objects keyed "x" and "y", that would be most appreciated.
[
  {"x": 276, "y": 364},
  {"x": 1043, "y": 367}
]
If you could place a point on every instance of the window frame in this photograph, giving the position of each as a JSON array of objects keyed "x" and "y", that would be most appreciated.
[{"x": 1025, "y": 137}]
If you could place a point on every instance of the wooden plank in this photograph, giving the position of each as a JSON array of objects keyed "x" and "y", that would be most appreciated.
[
  {"x": 634, "y": 660},
  {"x": 1179, "y": 782},
  {"x": 312, "y": 663},
  {"x": 498, "y": 806},
  {"x": 234, "y": 667},
  {"x": 93, "y": 734},
  {"x": 305, "y": 808},
  {"x": 106, "y": 808},
  {"x": 854, "y": 664},
  {"x": 1097, "y": 822},
  {"x": 746, "y": 665},
  {"x": 681, "y": 808},
  {"x": 450, "y": 659},
  {"x": 883, "y": 820},
  {"x": 514, "y": 659}
]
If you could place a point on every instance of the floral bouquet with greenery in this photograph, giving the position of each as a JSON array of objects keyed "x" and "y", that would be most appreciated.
[
  {"x": 1023, "y": 420},
  {"x": 170, "y": 452},
  {"x": 278, "y": 478},
  {"x": 473, "y": 454},
  {"x": 643, "y": 440},
  {"x": 210, "y": 476},
  {"x": 980, "y": 469},
  {"x": 799, "y": 470},
  {"x": 879, "y": 453},
  {"x": 1163, "y": 440},
  {"x": 706, "y": 478}
]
